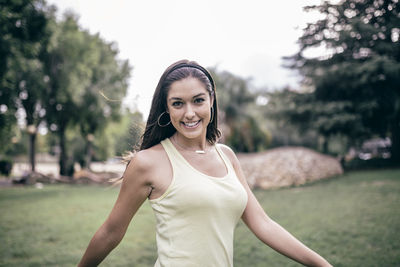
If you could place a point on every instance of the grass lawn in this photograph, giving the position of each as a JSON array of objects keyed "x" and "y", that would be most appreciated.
[{"x": 352, "y": 220}]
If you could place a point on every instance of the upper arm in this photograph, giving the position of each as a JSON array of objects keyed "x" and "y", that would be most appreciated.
[
  {"x": 135, "y": 188},
  {"x": 254, "y": 214}
]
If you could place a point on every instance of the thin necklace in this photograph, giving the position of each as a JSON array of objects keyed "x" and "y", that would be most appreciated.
[{"x": 196, "y": 151}]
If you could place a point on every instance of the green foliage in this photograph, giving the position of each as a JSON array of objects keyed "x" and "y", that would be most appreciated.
[
  {"x": 234, "y": 94},
  {"x": 306, "y": 114},
  {"x": 357, "y": 82},
  {"x": 247, "y": 136},
  {"x": 374, "y": 163},
  {"x": 22, "y": 26},
  {"x": 244, "y": 133},
  {"x": 118, "y": 137},
  {"x": 354, "y": 212},
  {"x": 19, "y": 145},
  {"x": 108, "y": 79},
  {"x": 5, "y": 166},
  {"x": 127, "y": 133},
  {"x": 68, "y": 72},
  {"x": 54, "y": 74},
  {"x": 83, "y": 72},
  {"x": 76, "y": 146},
  {"x": 7, "y": 130},
  {"x": 23, "y": 36}
]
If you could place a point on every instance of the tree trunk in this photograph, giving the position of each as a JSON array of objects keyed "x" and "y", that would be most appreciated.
[
  {"x": 63, "y": 153},
  {"x": 323, "y": 144},
  {"x": 32, "y": 150},
  {"x": 88, "y": 157}
]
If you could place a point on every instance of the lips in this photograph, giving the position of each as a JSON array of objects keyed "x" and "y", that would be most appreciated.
[{"x": 191, "y": 124}]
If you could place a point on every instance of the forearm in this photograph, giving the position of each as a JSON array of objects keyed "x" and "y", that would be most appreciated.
[
  {"x": 102, "y": 243},
  {"x": 282, "y": 241}
]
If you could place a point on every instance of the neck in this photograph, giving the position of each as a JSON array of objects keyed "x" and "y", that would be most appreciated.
[{"x": 198, "y": 146}]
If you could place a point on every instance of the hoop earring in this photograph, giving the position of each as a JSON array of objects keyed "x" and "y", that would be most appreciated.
[
  {"x": 158, "y": 120},
  {"x": 212, "y": 115}
]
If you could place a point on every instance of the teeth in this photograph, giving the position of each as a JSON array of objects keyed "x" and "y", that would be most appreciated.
[{"x": 190, "y": 124}]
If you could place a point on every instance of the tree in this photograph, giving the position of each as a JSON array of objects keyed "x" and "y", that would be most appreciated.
[
  {"x": 301, "y": 110},
  {"x": 23, "y": 38},
  {"x": 125, "y": 134},
  {"x": 239, "y": 125},
  {"x": 109, "y": 78},
  {"x": 360, "y": 72},
  {"x": 30, "y": 98},
  {"x": 81, "y": 66},
  {"x": 67, "y": 77}
]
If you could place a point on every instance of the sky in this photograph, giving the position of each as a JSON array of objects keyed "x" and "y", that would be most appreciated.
[{"x": 247, "y": 38}]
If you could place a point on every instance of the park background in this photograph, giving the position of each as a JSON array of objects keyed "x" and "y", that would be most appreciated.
[{"x": 320, "y": 149}]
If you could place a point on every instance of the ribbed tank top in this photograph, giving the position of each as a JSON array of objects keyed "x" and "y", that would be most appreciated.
[{"x": 197, "y": 214}]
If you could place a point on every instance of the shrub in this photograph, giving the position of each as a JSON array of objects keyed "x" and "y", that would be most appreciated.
[{"x": 5, "y": 166}]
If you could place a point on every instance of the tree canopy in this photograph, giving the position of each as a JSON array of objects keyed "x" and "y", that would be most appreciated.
[
  {"x": 55, "y": 75},
  {"x": 24, "y": 33},
  {"x": 358, "y": 78},
  {"x": 82, "y": 69},
  {"x": 240, "y": 128}
]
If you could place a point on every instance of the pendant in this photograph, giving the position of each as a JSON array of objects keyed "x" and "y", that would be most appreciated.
[{"x": 200, "y": 151}]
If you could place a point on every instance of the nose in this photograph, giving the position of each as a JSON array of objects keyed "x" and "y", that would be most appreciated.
[{"x": 189, "y": 112}]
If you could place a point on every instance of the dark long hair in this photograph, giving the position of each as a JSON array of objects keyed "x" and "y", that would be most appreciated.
[{"x": 182, "y": 69}]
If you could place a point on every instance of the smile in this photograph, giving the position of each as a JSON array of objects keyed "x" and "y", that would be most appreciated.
[{"x": 191, "y": 124}]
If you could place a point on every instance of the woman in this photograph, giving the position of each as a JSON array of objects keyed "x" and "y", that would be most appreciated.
[{"x": 195, "y": 186}]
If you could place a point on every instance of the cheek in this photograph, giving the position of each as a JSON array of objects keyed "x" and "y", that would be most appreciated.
[
  {"x": 175, "y": 115},
  {"x": 205, "y": 111}
]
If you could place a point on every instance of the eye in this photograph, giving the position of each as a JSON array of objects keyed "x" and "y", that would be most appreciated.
[
  {"x": 199, "y": 100},
  {"x": 177, "y": 103}
]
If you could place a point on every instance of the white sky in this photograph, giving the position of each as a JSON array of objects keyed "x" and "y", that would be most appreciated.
[{"x": 247, "y": 38}]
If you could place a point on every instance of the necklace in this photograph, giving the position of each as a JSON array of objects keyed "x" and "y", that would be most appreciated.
[{"x": 196, "y": 151}]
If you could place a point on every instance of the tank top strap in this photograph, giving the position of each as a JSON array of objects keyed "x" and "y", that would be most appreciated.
[
  {"x": 173, "y": 155},
  {"x": 226, "y": 160}
]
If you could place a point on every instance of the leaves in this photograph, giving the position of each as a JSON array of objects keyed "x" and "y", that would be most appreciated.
[
  {"x": 361, "y": 67},
  {"x": 55, "y": 72},
  {"x": 235, "y": 99},
  {"x": 82, "y": 68},
  {"x": 23, "y": 36}
]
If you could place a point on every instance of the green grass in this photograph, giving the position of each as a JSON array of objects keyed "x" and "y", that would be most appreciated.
[{"x": 352, "y": 220}]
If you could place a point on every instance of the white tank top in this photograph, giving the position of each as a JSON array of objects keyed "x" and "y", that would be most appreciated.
[{"x": 197, "y": 214}]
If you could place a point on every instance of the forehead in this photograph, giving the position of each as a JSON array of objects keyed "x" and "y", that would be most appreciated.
[{"x": 187, "y": 87}]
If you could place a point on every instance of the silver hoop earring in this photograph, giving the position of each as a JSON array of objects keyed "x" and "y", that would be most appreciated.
[
  {"x": 158, "y": 120},
  {"x": 212, "y": 115}
]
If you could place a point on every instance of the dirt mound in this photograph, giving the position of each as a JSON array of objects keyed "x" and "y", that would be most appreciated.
[
  {"x": 32, "y": 178},
  {"x": 287, "y": 166},
  {"x": 90, "y": 177},
  {"x": 80, "y": 177}
]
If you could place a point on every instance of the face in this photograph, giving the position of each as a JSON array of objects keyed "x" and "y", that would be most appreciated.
[{"x": 189, "y": 106}]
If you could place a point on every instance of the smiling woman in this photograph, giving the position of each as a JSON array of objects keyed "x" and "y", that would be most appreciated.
[
  {"x": 171, "y": 95},
  {"x": 189, "y": 107},
  {"x": 195, "y": 186}
]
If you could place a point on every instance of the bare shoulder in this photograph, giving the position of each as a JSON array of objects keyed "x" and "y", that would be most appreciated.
[
  {"x": 147, "y": 158},
  {"x": 145, "y": 163}
]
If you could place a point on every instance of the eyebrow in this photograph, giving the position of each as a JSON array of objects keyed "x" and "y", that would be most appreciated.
[{"x": 178, "y": 98}]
